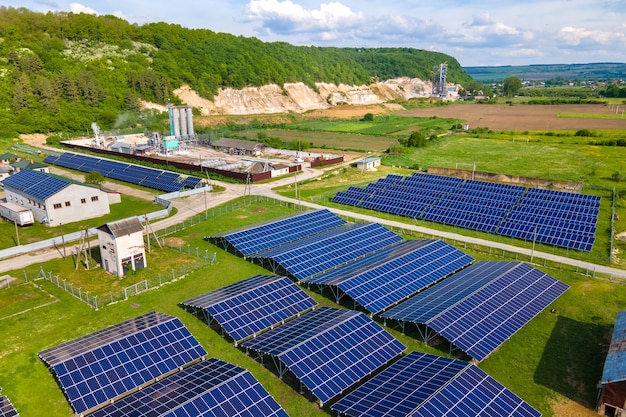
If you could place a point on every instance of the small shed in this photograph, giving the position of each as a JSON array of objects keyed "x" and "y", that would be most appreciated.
[
  {"x": 122, "y": 247},
  {"x": 613, "y": 384},
  {"x": 122, "y": 147},
  {"x": 279, "y": 170},
  {"x": 368, "y": 164}
]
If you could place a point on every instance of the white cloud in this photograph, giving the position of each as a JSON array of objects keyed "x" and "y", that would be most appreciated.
[
  {"x": 572, "y": 36},
  {"x": 80, "y": 8},
  {"x": 288, "y": 17}
]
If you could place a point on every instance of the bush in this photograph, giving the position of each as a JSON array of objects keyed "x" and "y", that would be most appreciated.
[
  {"x": 368, "y": 117},
  {"x": 584, "y": 132}
]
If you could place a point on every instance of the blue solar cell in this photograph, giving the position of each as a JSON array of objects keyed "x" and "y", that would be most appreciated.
[
  {"x": 261, "y": 237},
  {"x": 475, "y": 393},
  {"x": 110, "y": 362},
  {"x": 134, "y": 174},
  {"x": 310, "y": 256},
  {"x": 247, "y": 307},
  {"x": 420, "y": 384},
  {"x": 329, "y": 349},
  {"x": 6, "y": 408},
  {"x": 389, "y": 276},
  {"x": 35, "y": 183},
  {"x": 481, "y": 307},
  {"x": 209, "y": 388}
]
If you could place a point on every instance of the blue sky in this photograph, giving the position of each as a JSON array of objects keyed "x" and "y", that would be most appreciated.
[{"x": 475, "y": 32}]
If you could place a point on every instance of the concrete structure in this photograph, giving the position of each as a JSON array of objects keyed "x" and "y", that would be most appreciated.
[
  {"x": 238, "y": 147},
  {"x": 279, "y": 170},
  {"x": 122, "y": 147},
  {"x": 368, "y": 164},
  {"x": 54, "y": 200},
  {"x": 612, "y": 401},
  {"x": 121, "y": 246}
]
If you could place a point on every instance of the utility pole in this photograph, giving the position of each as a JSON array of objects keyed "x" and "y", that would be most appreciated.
[{"x": 17, "y": 234}]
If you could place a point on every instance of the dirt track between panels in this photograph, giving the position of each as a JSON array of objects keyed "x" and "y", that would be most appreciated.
[{"x": 524, "y": 117}]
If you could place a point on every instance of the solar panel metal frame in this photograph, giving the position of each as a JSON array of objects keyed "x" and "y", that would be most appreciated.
[
  {"x": 329, "y": 349},
  {"x": 6, "y": 408},
  {"x": 252, "y": 240},
  {"x": 248, "y": 307},
  {"x": 208, "y": 388},
  {"x": 106, "y": 364},
  {"x": 481, "y": 316},
  {"x": 324, "y": 251}
]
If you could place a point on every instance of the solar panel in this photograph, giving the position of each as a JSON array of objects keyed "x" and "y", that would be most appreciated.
[
  {"x": 101, "y": 366},
  {"x": 208, "y": 388},
  {"x": 420, "y": 384},
  {"x": 481, "y": 319},
  {"x": 329, "y": 349},
  {"x": 6, "y": 408},
  {"x": 475, "y": 393},
  {"x": 310, "y": 256},
  {"x": 157, "y": 179},
  {"x": 35, "y": 183},
  {"x": 428, "y": 304},
  {"x": 397, "y": 272},
  {"x": 490, "y": 207},
  {"x": 262, "y": 237},
  {"x": 247, "y": 307},
  {"x": 401, "y": 387},
  {"x": 615, "y": 363}
]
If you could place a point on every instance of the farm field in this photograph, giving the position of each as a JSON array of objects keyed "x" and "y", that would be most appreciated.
[
  {"x": 554, "y": 362},
  {"x": 525, "y": 117}
]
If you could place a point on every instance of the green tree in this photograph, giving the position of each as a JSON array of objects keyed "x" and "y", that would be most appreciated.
[
  {"x": 511, "y": 86},
  {"x": 94, "y": 177}
]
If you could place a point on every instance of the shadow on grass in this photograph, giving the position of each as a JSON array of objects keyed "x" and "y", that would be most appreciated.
[{"x": 573, "y": 359}]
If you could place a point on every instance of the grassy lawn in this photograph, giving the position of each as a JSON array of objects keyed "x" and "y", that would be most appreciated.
[
  {"x": 557, "y": 357},
  {"x": 20, "y": 298},
  {"x": 591, "y": 116}
]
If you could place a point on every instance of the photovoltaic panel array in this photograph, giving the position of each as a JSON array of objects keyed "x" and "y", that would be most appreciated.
[
  {"x": 247, "y": 307},
  {"x": 307, "y": 257},
  {"x": 6, "y": 408},
  {"x": 329, "y": 349},
  {"x": 482, "y": 306},
  {"x": 555, "y": 218},
  {"x": 397, "y": 272},
  {"x": 157, "y": 179},
  {"x": 101, "y": 366},
  {"x": 420, "y": 384},
  {"x": 35, "y": 183},
  {"x": 475, "y": 205},
  {"x": 280, "y": 232},
  {"x": 545, "y": 216},
  {"x": 208, "y": 388},
  {"x": 615, "y": 363}
]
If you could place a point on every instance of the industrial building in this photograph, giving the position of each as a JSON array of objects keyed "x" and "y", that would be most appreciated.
[
  {"x": 54, "y": 200},
  {"x": 121, "y": 246},
  {"x": 613, "y": 383}
]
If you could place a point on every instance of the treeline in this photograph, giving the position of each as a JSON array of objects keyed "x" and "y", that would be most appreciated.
[{"x": 62, "y": 71}]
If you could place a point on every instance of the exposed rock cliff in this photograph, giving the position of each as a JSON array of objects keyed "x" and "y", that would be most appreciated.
[{"x": 298, "y": 97}]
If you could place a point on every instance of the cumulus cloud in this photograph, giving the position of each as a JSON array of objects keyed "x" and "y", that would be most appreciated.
[
  {"x": 483, "y": 32},
  {"x": 286, "y": 17},
  {"x": 80, "y": 8},
  {"x": 579, "y": 37}
]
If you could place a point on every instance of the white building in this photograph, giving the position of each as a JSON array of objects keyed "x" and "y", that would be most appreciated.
[
  {"x": 368, "y": 164},
  {"x": 54, "y": 200},
  {"x": 121, "y": 246}
]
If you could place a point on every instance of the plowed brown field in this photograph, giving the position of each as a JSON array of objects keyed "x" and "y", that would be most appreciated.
[{"x": 524, "y": 117}]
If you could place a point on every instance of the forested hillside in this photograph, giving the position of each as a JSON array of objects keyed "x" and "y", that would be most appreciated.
[{"x": 61, "y": 71}]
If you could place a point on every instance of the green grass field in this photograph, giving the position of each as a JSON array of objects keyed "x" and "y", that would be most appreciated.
[{"x": 555, "y": 358}]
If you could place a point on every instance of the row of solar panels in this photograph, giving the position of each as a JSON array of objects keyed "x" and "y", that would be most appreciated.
[
  {"x": 6, "y": 408},
  {"x": 556, "y": 218},
  {"x": 151, "y": 366},
  {"x": 382, "y": 273},
  {"x": 331, "y": 351},
  {"x": 148, "y": 177}
]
